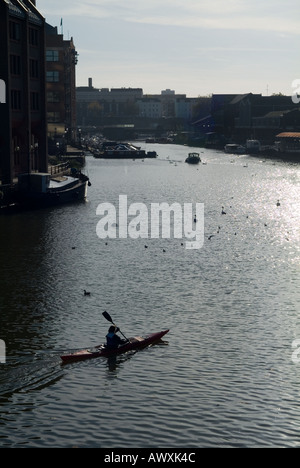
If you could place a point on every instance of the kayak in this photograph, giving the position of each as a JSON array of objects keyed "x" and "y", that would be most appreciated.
[{"x": 136, "y": 342}]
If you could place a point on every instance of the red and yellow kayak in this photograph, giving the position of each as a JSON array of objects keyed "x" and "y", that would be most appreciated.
[{"x": 136, "y": 342}]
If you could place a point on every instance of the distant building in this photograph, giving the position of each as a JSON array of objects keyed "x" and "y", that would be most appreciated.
[
  {"x": 94, "y": 104},
  {"x": 185, "y": 108},
  {"x": 174, "y": 105},
  {"x": 87, "y": 94},
  {"x": 125, "y": 94},
  {"x": 61, "y": 61},
  {"x": 248, "y": 116},
  {"x": 168, "y": 93},
  {"x": 150, "y": 108},
  {"x": 23, "y": 139},
  {"x": 263, "y": 117}
]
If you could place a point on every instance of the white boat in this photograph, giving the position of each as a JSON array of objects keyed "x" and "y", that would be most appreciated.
[
  {"x": 235, "y": 149},
  {"x": 253, "y": 146}
]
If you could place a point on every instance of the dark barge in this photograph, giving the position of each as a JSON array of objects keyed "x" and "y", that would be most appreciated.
[
  {"x": 41, "y": 190},
  {"x": 114, "y": 150}
]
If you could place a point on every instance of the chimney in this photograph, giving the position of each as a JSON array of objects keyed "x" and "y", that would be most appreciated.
[{"x": 90, "y": 82}]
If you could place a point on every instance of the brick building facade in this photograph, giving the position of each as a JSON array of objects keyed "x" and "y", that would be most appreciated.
[{"x": 23, "y": 138}]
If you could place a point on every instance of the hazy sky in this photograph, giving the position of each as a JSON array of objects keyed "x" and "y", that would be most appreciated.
[{"x": 196, "y": 47}]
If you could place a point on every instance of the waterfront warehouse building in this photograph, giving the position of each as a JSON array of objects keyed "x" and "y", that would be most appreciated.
[{"x": 23, "y": 135}]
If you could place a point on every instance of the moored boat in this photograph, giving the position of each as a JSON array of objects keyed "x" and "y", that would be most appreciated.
[
  {"x": 287, "y": 146},
  {"x": 253, "y": 147},
  {"x": 193, "y": 158},
  {"x": 113, "y": 150},
  {"x": 235, "y": 149},
  {"x": 102, "y": 351},
  {"x": 42, "y": 190}
]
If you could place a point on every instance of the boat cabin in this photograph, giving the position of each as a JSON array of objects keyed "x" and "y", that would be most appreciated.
[
  {"x": 235, "y": 149},
  {"x": 253, "y": 146},
  {"x": 193, "y": 158},
  {"x": 288, "y": 142},
  {"x": 35, "y": 182}
]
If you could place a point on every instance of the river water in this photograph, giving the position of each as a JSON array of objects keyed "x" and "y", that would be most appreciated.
[{"x": 226, "y": 375}]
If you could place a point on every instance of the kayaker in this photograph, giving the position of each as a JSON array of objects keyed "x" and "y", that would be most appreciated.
[{"x": 112, "y": 339}]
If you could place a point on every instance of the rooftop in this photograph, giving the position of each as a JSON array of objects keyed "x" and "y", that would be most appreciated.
[{"x": 288, "y": 135}]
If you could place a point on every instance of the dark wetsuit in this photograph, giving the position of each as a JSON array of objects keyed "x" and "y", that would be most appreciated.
[{"x": 113, "y": 341}]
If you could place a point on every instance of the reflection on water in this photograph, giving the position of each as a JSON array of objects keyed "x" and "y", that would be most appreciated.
[
  {"x": 226, "y": 377},
  {"x": 115, "y": 362}
]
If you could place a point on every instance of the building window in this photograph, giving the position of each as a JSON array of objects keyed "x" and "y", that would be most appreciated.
[
  {"x": 14, "y": 31},
  {"x": 15, "y": 65},
  {"x": 33, "y": 68},
  {"x": 52, "y": 76},
  {"x": 53, "y": 97},
  {"x": 34, "y": 101},
  {"x": 15, "y": 99},
  {"x": 52, "y": 56},
  {"x": 53, "y": 117},
  {"x": 33, "y": 37}
]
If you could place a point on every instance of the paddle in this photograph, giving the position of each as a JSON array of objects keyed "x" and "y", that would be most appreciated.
[{"x": 108, "y": 317}]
